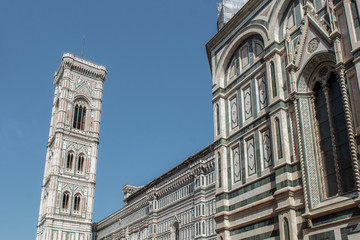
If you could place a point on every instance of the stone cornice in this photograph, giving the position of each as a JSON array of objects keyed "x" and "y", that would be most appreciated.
[
  {"x": 184, "y": 165},
  {"x": 81, "y": 66}
]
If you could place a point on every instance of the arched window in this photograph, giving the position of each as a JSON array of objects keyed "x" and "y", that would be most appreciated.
[
  {"x": 278, "y": 138},
  {"x": 80, "y": 164},
  {"x": 65, "y": 201},
  {"x": 79, "y": 115},
  {"x": 177, "y": 230},
  {"x": 77, "y": 201},
  {"x": 217, "y": 119},
  {"x": 355, "y": 15},
  {"x": 333, "y": 138},
  {"x": 244, "y": 56},
  {"x": 286, "y": 229},
  {"x": 273, "y": 79},
  {"x": 69, "y": 161}
]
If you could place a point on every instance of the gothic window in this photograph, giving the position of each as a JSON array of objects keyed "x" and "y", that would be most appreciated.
[
  {"x": 355, "y": 15},
  {"x": 77, "y": 200},
  {"x": 278, "y": 138},
  {"x": 249, "y": 50},
  {"x": 333, "y": 138},
  {"x": 65, "y": 201},
  {"x": 286, "y": 229},
  {"x": 80, "y": 164},
  {"x": 79, "y": 115},
  {"x": 69, "y": 161},
  {"x": 273, "y": 79}
]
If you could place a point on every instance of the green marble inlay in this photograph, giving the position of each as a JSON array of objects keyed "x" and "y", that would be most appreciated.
[
  {"x": 257, "y": 154},
  {"x": 239, "y": 108},
  {"x": 238, "y": 192},
  {"x": 347, "y": 214},
  {"x": 242, "y": 159},
  {"x": 345, "y": 231},
  {"x": 227, "y": 117},
  {"x": 288, "y": 168},
  {"x": 249, "y": 128},
  {"x": 267, "y": 235},
  {"x": 288, "y": 183},
  {"x": 325, "y": 235},
  {"x": 229, "y": 168},
  {"x": 250, "y": 200},
  {"x": 278, "y": 104},
  {"x": 254, "y": 226},
  {"x": 271, "y": 178}
]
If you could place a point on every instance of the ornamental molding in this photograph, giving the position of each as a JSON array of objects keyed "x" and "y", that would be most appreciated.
[{"x": 81, "y": 66}]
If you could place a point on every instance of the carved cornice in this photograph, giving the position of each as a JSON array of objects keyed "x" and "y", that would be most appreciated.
[{"x": 81, "y": 66}]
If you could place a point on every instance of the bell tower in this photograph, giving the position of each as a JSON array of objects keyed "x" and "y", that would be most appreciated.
[{"x": 66, "y": 205}]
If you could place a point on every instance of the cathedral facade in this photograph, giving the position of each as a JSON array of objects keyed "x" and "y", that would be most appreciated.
[
  {"x": 284, "y": 163},
  {"x": 180, "y": 204},
  {"x": 285, "y": 84}
]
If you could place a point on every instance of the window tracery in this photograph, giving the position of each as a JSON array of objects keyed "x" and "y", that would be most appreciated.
[
  {"x": 69, "y": 161},
  {"x": 79, "y": 119},
  {"x": 333, "y": 143},
  {"x": 77, "y": 201},
  {"x": 80, "y": 163},
  {"x": 65, "y": 201},
  {"x": 244, "y": 56}
]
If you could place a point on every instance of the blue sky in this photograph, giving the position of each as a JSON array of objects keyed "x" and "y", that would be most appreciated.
[{"x": 157, "y": 98}]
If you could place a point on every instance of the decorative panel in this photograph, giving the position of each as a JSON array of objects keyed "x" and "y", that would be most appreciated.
[
  {"x": 234, "y": 113},
  {"x": 262, "y": 93},
  {"x": 237, "y": 165},
  {"x": 247, "y": 103},
  {"x": 267, "y": 152},
  {"x": 251, "y": 161}
]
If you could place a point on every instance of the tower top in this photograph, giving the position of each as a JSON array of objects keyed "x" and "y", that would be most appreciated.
[
  {"x": 82, "y": 66},
  {"x": 227, "y": 9}
]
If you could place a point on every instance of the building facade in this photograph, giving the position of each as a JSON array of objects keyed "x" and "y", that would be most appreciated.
[
  {"x": 67, "y": 197},
  {"x": 178, "y": 205},
  {"x": 285, "y": 84}
]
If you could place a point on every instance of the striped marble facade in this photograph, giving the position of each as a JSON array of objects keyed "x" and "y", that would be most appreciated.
[
  {"x": 179, "y": 204},
  {"x": 285, "y": 84}
]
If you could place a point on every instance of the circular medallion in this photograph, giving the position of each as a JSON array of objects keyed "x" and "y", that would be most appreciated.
[{"x": 313, "y": 45}]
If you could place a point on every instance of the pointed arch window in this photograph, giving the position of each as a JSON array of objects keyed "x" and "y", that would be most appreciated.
[
  {"x": 333, "y": 138},
  {"x": 65, "y": 201},
  {"x": 69, "y": 161},
  {"x": 80, "y": 164},
  {"x": 77, "y": 201},
  {"x": 286, "y": 229},
  {"x": 244, "y": 56},
  {"x": 79, "y": 115}
]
